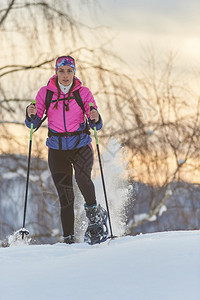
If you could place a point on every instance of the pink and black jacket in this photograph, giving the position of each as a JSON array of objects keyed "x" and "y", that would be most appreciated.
[{"x": 62, "y": 121}]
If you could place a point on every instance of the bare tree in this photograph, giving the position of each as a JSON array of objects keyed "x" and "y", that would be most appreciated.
[
  {"x": 33, "y": 34},
  {"x": 150, "y": 114},
  {"x": 165, "y": 138}
]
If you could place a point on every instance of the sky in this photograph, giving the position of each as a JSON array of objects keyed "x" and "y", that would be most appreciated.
[
  {"x": 157, "y": 20},
  {"x": 161, "y": 25},
  {"x": 136, "y": 26}
]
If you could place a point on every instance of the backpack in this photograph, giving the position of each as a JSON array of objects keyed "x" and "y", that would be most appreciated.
[{"x": 79, "y": 101}]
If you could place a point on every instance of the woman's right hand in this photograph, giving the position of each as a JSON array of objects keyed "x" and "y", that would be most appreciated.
[{"x": 31, "y": 110}]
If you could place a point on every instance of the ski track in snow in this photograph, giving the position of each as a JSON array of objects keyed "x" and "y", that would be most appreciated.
[{"x": 163, "y": 266}]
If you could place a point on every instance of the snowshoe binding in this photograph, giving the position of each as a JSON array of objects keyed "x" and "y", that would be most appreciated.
[{"x": 97, "y": 230}]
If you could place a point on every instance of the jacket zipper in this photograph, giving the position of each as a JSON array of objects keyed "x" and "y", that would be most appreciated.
[
  {"x": 64, "y": 114},
  {"x": 66, "y": 141}
]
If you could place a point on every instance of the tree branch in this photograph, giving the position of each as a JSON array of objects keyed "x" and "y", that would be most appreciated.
[{"x": 7, "y": 12}]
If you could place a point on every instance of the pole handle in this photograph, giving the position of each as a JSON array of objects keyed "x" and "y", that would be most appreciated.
[
  {"x": 33, "y": 116},
  {"x": 91, "y": 105},
  {"x": 32, "y": 119}
]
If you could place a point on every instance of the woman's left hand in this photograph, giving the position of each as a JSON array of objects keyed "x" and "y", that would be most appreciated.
[{"x": 94, "y": 115}]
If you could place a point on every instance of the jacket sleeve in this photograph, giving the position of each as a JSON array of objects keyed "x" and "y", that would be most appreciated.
[
  {"x": 40, "y": 103},
  {"x": 87, "y": 98}
]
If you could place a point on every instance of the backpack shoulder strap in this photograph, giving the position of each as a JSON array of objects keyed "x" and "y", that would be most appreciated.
[
  {"x": 49, "y": 95},
  {"x": 78, "y": 99},
  {"x": 48, "y": 99}
]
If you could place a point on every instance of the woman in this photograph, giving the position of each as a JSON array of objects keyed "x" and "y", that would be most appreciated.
[{"x": 69, "y": 144}]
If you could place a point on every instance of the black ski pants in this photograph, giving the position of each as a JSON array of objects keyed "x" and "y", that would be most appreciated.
[{"x": 61, "y": 164}]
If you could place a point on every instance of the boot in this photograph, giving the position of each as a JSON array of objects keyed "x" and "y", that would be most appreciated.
[
  {"x": 97, "y": 230},
  {"x": 70, "y": 239}
]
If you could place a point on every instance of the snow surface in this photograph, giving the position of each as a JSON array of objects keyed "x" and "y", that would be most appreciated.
[{"x": 145, "y": 267}]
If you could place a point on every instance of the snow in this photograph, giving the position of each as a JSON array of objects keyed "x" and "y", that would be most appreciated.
[
  {"x": 9, "y": 175},
  {"x": 23, "y": 173},
  {"x": 162, "y": 210},
  {"x": 117, "y": 187},
  {"x": 151, "y": 266},
  {"x": 143, "y": 216},
  {"x": 181, "y": 161}
]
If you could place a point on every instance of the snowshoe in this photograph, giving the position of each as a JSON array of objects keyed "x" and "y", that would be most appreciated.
[
  {"x": 19, "y": 237},
  {"x": 23, "y": 232},
  {"x": 97, "y": 230}
]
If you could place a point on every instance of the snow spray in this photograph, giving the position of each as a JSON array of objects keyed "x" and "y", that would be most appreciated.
[{"x": 119, "y": 190}]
